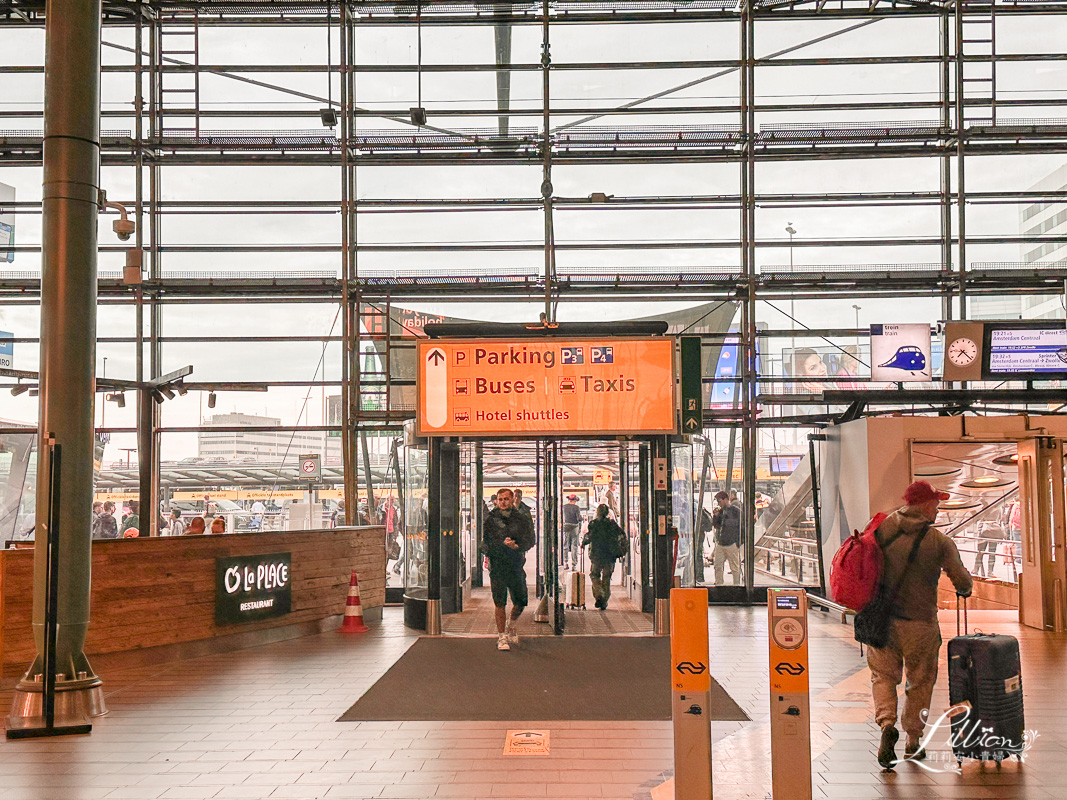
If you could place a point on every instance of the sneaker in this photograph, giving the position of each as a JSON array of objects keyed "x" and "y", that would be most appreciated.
[
  {"x": 887, "y": 755},
  {"x": 511, "y": 633},
  {"x": 914, "y": 751},
  {"x": 502, "y": 642}
]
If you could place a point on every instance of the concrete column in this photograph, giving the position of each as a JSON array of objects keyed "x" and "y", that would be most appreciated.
[{"x": 68, "y": 344}]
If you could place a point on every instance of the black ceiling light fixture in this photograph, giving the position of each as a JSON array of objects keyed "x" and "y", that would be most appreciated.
[
  {"x": 210, "y": 399},
  {"x": 328, "y": 115},
  {"x": 418, "y": 113}
]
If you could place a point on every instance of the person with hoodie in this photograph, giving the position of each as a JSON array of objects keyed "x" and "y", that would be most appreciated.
[
  {"x": 605, "y": 540},
  {"x": 914, "y": 634}
]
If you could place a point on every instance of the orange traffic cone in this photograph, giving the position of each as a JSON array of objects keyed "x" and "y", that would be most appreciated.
[{"x": 353, "y": 622}]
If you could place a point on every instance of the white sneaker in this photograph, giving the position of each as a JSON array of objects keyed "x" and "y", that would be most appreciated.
[
  {"x": 511, "y": 633},
  {"x": 502, "y": 642}
]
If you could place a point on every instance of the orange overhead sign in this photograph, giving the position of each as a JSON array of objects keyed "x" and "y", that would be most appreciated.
[{"x": 494, "y": 387}]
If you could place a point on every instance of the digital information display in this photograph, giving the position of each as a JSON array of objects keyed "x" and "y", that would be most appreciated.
[
  {"x": 490, "y": 387},
  {"x": 1031, "y": 351},
  {"x": 787, "y": 603},
  {"x": 784, "y": 465}
]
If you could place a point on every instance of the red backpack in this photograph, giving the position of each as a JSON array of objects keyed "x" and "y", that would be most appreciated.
[{"x": 856, "y": 570}]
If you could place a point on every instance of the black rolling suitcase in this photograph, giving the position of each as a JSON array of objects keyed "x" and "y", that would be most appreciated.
[{"x": 985, "y": 690}]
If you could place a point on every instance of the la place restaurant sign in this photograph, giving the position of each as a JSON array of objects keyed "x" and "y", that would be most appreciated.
[{"x": 249, "y": 588}]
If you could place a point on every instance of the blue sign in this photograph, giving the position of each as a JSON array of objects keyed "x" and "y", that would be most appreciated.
[
  {"x": 572, "y": 355},
  {"x": 7, "y": 350},
  {"x": 601, "y": 355}
]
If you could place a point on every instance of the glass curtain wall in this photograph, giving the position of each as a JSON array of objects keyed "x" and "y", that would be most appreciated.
[{"x": 813, "y": 170}]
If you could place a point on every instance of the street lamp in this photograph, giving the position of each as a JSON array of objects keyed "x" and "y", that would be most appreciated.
[
  {"x": 792, "y": 316},
  {"x": 857, "y": 310}
]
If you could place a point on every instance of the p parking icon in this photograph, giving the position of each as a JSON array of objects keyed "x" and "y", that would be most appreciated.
[
  {"x": 572, "y": 355},
  {"x": 601, "y": 355}
]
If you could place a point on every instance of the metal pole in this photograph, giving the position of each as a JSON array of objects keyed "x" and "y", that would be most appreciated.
[
  {"x": 478, "y": 514},
  {"x": 946, "y": 161},
  {"x": 433, "y": 540},
  {"x": 546, "y": 182},
  {"x": 961, "y": 133},
  {"x": 662, "y": 541},
  {"x": 145, "y": 440},
  {"x": 818, "y": 512},
  {"x": 71, "y": 200},
  {"x": 748, "y": 262},
  {"x": 349, "y": 315}
]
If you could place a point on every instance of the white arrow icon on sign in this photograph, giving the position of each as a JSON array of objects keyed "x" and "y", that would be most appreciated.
[{"x": 436, "y": 388}]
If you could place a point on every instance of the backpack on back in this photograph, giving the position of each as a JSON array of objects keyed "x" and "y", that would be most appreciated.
[{"x": 856, "y": 571}]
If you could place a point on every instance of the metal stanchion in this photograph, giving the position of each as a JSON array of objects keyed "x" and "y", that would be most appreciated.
[{"x": 45, "y": 725}]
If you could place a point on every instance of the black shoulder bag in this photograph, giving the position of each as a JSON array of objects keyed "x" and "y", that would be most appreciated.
[{"x": 873, "y": 622}]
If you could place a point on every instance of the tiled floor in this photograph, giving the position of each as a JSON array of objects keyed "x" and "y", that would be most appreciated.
[{"x": 260, "y": 723}]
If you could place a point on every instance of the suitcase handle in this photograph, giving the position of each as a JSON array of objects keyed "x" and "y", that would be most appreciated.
[{"x": 961, "y": 600}]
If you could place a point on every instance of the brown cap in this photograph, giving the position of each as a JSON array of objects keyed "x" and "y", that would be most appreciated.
[{"x": 922, "y": 492}]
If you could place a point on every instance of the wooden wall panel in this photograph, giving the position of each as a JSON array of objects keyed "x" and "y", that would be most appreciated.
[{"x": 161, "y": 591}]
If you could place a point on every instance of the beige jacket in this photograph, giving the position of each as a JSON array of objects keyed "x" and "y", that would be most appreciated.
[{"x": 917, "y": 597}]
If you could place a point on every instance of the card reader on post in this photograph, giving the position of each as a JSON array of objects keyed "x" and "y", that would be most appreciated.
[{"x": 790, "y": 715}]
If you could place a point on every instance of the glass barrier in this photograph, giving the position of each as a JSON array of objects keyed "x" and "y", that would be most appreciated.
[
  {"x": 414, "y": 557},
  {"x": 18, "y": 487},
  {"x": 682, "y": 512}
]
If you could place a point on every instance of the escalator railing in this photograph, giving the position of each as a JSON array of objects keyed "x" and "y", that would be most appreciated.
[{"x": 786, "y": 550}]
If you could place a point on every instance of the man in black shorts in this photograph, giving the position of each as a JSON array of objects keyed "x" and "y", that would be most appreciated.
[{"x": 508, "y": 534}]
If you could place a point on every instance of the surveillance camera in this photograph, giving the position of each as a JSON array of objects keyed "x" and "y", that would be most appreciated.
[{"x": 124, "y": 228}]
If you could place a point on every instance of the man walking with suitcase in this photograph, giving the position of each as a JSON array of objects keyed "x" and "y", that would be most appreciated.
[
  {"x": 508, "y": 534},
  {"x": 915, "y": 553}
]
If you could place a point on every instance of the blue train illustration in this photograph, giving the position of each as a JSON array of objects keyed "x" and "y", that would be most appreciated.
[{"x": 909, "y": 358}]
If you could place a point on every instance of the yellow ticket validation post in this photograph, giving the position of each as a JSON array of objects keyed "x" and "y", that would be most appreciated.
[
  {"x": 790, "y": 715},
  {"x": 691, "y": 694}
]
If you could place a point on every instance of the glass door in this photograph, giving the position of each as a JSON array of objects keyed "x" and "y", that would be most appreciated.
[
  {"x": 639, "y": 486},
  {"x": 682, "y": 501},
  {"x": 551, "y": 538}
]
